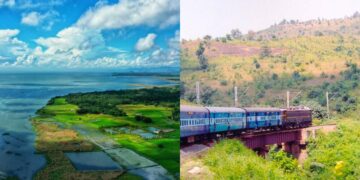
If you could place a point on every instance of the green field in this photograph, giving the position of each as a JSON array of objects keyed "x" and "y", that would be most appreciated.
[{"x": 60, "y": 119}]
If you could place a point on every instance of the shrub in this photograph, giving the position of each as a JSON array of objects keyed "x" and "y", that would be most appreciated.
[{"x": 223, "y": 82}]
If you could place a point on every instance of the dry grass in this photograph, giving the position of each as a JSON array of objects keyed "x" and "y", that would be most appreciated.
[{"x": 52, "y": 138}]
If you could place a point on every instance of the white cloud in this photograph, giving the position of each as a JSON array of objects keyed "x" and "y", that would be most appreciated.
[
  {"x": 3, "y": 58},
  {"x": 35, "y": 18},
  {"x": 71, "y": 43},
  {"x": 5, "y": 34},
  {"x": 31, "y": 19},
  {"x": 154, "y": 13},
  {"x": 7, "y": 3},
  {"x": 11, "y": 47},
  {"x": 174, "y": 42},
  {"x": 35, "y": 4},
  {"x": 145, "y": 43},
  {"x": 83, "y": 45}
]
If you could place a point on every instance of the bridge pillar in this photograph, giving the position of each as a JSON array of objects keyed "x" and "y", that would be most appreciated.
[
  {"x": 292, "y": 148},
  {"x": 262, "y": 151},
  {"x": 314, "y": 133}
]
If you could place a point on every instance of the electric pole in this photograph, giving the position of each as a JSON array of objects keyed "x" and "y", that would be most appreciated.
[
  {"x": 288, "y": 99},
  {"x": 235, "y": 97},
  {"x": 197, "y": 92},
  {"x": 327, "y": 105}
]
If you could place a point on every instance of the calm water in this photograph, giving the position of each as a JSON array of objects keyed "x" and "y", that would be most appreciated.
[
  {"x": 22, "y": 94},
  {"x": 87, "y": 161}
]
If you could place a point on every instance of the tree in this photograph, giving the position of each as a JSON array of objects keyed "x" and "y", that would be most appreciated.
[
  {"x": 207, "y": 38},
  {"x": 236, "y": 34},
  {"x": 203, "y": 61},
  {"x": 228, "y": 37},
  {"x": 317, "y": 110}
]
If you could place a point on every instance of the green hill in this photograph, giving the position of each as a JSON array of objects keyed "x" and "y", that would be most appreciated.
[{"x": 263, "y": 70}]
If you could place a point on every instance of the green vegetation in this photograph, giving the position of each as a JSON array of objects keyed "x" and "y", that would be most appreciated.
[
  {"x": 230, "y": 159},
  {"x": 336, "y": 154},
  {"x": 148, "y": 124},
  {"x": 202, "y": 59},
  {"x": 264, "y": 70},
  {"x": 106, "y": 102}
]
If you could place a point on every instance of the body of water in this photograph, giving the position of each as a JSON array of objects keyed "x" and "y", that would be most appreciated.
[{"x": 22, "y": 94}]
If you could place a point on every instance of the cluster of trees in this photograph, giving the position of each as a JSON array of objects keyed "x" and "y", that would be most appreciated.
[
  {"x": 207, "y": 94},
  {"x": 107, "y": 102},
  {"x": 203, "y": 61},
  {"x": 340, "y": 91}
]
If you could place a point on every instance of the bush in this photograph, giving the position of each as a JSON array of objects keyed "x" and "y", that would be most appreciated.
[
  {"x": 230, "y": 159},
  {"x": 223, "y": 82},
  {"x": 334, "y": 156},
  {"x": 323, "y": 75}
]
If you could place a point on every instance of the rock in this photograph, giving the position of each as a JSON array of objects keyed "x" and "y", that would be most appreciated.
[{"x": 195, "y": 170}]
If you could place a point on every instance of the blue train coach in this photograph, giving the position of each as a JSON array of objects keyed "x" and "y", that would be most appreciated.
[
  {"x": 194, "y": 120},
  {"x": 258, "y": 118},
  {"x": 226, "y": 119}
]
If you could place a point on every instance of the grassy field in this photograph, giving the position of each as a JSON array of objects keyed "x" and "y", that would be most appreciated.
[{"x": 56, "y": 122}]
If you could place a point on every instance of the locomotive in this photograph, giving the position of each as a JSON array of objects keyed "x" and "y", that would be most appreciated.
[{"x": 198, "y": 123}]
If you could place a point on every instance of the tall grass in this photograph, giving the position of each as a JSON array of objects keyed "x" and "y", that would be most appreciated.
[{"x": 230, "y": 159}]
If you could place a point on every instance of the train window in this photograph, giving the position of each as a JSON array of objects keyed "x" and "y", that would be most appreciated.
[{"x": 189, "y": 113}]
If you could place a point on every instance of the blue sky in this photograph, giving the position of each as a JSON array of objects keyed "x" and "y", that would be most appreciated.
[
  {"x": 218, "y": 17},
  {"x": 91, "y": 34}
]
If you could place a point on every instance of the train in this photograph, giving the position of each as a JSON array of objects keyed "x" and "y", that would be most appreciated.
[{"x": 198, "y": 123}]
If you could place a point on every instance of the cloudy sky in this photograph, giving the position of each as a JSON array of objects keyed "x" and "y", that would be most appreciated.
[
  {"x": 218, "y": 17},
  {"x": 78, "y": 34}
]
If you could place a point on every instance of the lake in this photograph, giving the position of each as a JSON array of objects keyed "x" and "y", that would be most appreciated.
[{"x": 21, "y": 94}]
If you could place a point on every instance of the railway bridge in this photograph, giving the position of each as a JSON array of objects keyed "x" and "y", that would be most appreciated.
[{"x": 292, "y": 141}]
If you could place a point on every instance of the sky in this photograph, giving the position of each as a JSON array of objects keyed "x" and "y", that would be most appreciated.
[
  {"x": 91, "y": 34},
  {"x": 218, "y": 17}
]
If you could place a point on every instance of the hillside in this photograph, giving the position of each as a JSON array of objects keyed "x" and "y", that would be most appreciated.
[
  {"x": 292, "y": 62},
  {"x": 294, "y": 28}
]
